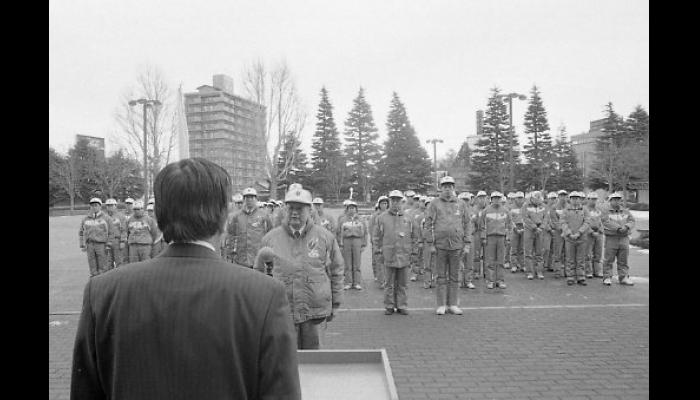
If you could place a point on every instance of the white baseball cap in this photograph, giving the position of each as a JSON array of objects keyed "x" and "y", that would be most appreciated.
[
  {"x": 396, "y": 193},
  {"x": 95, "y": 200}
]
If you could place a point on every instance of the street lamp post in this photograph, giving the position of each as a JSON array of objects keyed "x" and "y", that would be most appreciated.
[
  {"x": 146, "y": 103},
  {"x": 434, "y": 142},
  {"x": 509, "y": 97}
]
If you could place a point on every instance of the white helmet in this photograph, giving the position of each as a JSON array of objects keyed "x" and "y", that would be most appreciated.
[
  {"x": 129, "y": 200},
  {"x": 382, "y": 198},
  {"x": 318, "y": 200},
  {"x": 518, "y": 195},
  {"x": 562, "y": 192},
  {"x": 150, "y": 207},
  {"x": 237, "y": 198},
  {"x": 510, "y": 195},
  {"x": 95, "y": 200},
  {"x": 152, "y": 201},
  {"x": 575, "y": 194},
  {"x": 298, "y": 195},
  {"x": 463, "y": 195},
  {"x": 593, "y": 195},
  {"x": 409, "y": 193},
  {"x": 396, "y": 193},
  {"x": 250, "y": 192},
  {"x": 481, "y": 193},
  {"x": 616, "y": 195},
  {"x": 496, "y": 194},
  {"x": 110, "y": 201},
  {"x": 138, "y": 205},
  {"x": 536, "y": 195},
  {"x": 447, "y": 179},
  {"x": 551, "y": 195},
  {"x": 350, "y": 203}
]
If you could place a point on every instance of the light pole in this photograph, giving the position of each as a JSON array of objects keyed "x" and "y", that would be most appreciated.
[
  {"x": 509, "y": 97},
  {"x": 435, "y": 142},
  {"x": 146, "y": 103}
]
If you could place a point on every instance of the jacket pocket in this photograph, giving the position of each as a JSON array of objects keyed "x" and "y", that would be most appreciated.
[{"x": 319, "y": 294}]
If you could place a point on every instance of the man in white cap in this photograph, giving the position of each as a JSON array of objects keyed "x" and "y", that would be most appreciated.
[
  {"x": 466, "y": 269},
  {"x": 377, "y": 263},
  {"x": 574, "y": 225},
  {"x": 517, "y": 261},
  {"x": 428, "y": 269},
  {"x": 128, "y": 212},
  {"x": 495, "y": 221},
  {"x": 395, "y": 235},
  {"x": 548, "y": 232},
  {"x": 141, "y": 232},
  {"x": 325, "y": 220},
  {"x": 618, "y": 224},
  {"x": 246, "y": 230},
  {"x": 479, "y": 237},
  {"x": 417, "y": 215},
  {"x": 558, "y": 255},
  {"x": 115, "y": 247},
  {"x": 158, "y": 243},
  {"x": 594, "y": 238},
  {"x": 352, "y": 234},
  {"x": 535, "y": 218},
  {"x": 449, "y": 236},
  {"x": 307, "y": 259},
  {"x": 95, "y": 232}
]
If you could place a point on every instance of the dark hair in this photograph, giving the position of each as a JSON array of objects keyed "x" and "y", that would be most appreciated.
[{"x": 192, "y": 199}]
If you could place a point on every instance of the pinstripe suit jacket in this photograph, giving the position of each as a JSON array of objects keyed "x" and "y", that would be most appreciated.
[{"x": 185, "y": 325}]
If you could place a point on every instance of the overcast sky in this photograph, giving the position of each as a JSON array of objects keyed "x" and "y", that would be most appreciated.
[{"x": 441, "y": 57}]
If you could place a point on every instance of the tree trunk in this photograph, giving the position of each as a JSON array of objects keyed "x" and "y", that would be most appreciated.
[{"x": 72, "y": 201}]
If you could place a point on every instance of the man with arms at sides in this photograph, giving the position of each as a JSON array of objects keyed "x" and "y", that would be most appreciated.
[{"x": 186, "y": 324}]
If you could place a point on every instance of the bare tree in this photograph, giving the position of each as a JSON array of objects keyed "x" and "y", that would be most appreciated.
[
  {"x": 150, "y": 84},
  {"x": 285, "y": 115},
  {"x": 66, "y": 174}
]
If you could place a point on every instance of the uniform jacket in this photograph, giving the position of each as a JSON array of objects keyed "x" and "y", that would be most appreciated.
[
  {"x": 373, "y": 222},
  {"x": 245, "y": 230},
  {"x": 311, "y": 268},
  {"x": 96, "y": 227},
  {"x": 396, "y": 234},
  {"x": 118, "y": 227},
  {"x": 516, "y": 216},
  {"x": 184, "y": 325},
  {"x": 556, "y": 213},
  {"x": 418, "y": 218},
  {"x": 326, "y": 221},
  {"x": 574, "y": 220},
  {"x": 594, "y": 218},
  {"x": 141, "y": 230},
  {"x": 534, "y": 216},
  {"x": 351, "y": 227},
  {"x": 495, "y": 221},
  {"x": 448, "y": 226},
  {"x": 158, "y": 234},
  {"x": 617, "y": 218},
  {"x": 478, "y": 232}
]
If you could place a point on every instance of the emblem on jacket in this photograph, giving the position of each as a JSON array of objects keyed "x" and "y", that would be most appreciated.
[{"x": 311, "y": 245}]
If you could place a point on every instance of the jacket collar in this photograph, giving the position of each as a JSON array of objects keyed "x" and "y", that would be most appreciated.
[
  {"x": 304, "y": 230},
  {"x": 392, "y": 212},
  {"x": 188, "y": 250}
]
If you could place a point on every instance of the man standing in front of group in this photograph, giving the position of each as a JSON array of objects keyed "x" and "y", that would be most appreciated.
[
  {"x": 246, "y": 229},
  {"x": 306, "y": 258},
  {"x": 495, "y": 221},
  {"x": 141, "y": 232},
  {"x": 352, "y": 238},
  {"x": 95, "y": 233},
  {"x": 618, "y": 223},
  {"x": 449, "y": 234},
  {"x": 395, "y": 236},
  {"x": 574, "y": 226}
]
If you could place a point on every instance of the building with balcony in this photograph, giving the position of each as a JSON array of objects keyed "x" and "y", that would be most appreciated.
[{"x": 228, "y": 130}]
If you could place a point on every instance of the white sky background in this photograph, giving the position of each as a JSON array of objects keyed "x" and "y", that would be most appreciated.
[{"x": 441, "y": 57}]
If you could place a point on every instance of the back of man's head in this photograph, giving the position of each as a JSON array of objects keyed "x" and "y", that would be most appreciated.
[{"x": 192, "y": 197}]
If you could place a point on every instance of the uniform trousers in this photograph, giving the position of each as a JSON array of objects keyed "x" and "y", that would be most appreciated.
[
  {"x": 616, "y": 247},
  {"x": 395, "y": 289},
  {"x": 547, "y": 240},
  {"x": 352, "y": 252},
  {"x": 516, "y": 250},
  {"x": 532, "y": 246},
  {"x": 139, "y": 252},
  {"x": 558, "y": 257},
  {"x": 447, "y": 264},
  {"x": 114, "y": 256},
  {"x": 477, "y": 257},
  {"x": 594, "y": 253},
  {"x": 307, "y": 334},
  {"x": 495, "y": 257},
  {"x": 97, "y": 257},
  {"x": 575, "y": 257}
]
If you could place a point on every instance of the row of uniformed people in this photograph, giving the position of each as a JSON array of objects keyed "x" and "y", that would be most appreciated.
[{"x": 113, "y": 238}]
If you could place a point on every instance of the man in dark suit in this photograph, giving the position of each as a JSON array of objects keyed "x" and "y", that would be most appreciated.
[{"x": 186, "y": 324}]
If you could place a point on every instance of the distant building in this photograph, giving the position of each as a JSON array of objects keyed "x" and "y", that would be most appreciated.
[
  {"x": 584, "y": 146},
  {"x": 228, "y": 130},
  {"x": 473, "y": 139},
  {"x": 96, "y": 142}
]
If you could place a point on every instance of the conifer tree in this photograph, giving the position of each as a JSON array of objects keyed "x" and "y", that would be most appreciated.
[
  {"x": 568, "y": 174},
  {"x": 327, "y": 161},
  {"x": 637, "y": 124},
  {"x": 405, "y": 164},
  {"x": 361, "y": 149},
  {"x": 608, "y": 147},
  {"x": 489, "y": 169},
  {"x": 538, "y": 151}
]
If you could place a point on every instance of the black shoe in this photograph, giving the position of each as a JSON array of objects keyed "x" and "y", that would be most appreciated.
[
  {"x": 388, "y": 311},
  {"x": 582, "y": 282},
  {"x": 569, "y": 282},
  {"x": 403, "y": 311}
]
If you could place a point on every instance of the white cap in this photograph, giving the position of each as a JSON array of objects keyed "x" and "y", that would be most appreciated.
[
  {"x": 396, "y": 193},
  {"x": 518, "y": 194},
  {"x": 129, "y": 201},
  {"x": 447, "y": 179},
  {"x": 298, "y": 195},
  {"x": 138, "y": 204},
  {"x": 576, "y": 194},
  {"x": 111, "y": 201},
  {"x": 463, "y": 195},
  {"x": 345, "y": 202},
  {"x": 409, "y": 193},
  {"x": 318, "y": 200},
  {"x": 350, "y": 203},
  {"x": 95, "y": 200},
  {"x": 382, "y": 198},
  {"x": 496, "y": 194},
  {"x": 536, "y": 195},
  {"x": 481, "y": 193},
  {"x": 250, "y": 192},
  {"x": 149, "y": 207},
  {"x": 616, "y": 195},
  {"x": 551, "y": 195},
  {"x": 593, "y": 195},
  {"x": 237, "y": 198},
  {"x": 562, "y": 192}
]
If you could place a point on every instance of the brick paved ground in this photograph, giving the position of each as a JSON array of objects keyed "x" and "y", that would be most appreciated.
[{"x": 536, "y": 339}]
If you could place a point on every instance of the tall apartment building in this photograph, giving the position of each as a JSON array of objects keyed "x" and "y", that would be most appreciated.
[
  {"x": 228, "y": 130},
  {"x": 584, "y": 146}
]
